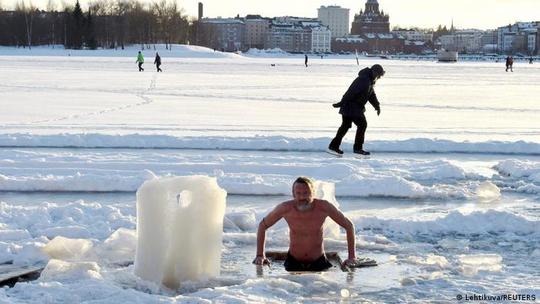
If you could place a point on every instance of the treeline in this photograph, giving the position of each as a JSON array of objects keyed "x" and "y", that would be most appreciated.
[{"x": 106, "y": 24}]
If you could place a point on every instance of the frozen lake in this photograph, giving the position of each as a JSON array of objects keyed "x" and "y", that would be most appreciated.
[
  {"x": 80, "y": 134},
  {"x": 248, "y": 97}
]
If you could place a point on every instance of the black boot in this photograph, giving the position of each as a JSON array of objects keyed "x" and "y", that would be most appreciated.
[
  {"x": 335, "y": 151},
  {"x": 361, "y": 152}
]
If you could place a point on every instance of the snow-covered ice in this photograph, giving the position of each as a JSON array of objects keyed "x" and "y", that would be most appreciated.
[{"x": 448, "y": 203}]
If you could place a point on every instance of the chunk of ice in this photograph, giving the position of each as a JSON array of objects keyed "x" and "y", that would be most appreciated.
[
  {"x": 472, "y": 264},
  {"x": 119, "y": 247},
  {"x": 179, "y": 229},
  {"x": 57, "y": 270},
  {"x": 327, "y": 191},
  {"x": 64, "y": 248},
  {"x": 487, "y": 192}
]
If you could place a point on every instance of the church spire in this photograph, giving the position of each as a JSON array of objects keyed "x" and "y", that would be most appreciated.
[
  {"x": 370, "y": 20},
  {"x": 372, "y": 6}
]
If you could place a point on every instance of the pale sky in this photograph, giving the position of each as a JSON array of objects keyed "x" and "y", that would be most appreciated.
[{"x": 482, "y": 14}]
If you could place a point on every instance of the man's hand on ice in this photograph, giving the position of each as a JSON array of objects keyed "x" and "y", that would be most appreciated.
[
  {"x": 261, "y": 260},
  {"x": 350, "y": 262}
]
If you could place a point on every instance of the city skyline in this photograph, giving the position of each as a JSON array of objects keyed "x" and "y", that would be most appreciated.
[{"x": 412, "y": 13}]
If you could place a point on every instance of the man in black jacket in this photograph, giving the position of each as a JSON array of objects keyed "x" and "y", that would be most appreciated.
[
  {"x": 352, "y": 108},
  {"x": 157, "y": 62}
]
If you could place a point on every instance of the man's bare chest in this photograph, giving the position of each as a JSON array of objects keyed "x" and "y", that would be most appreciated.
[{"x": 305, "y": 222}]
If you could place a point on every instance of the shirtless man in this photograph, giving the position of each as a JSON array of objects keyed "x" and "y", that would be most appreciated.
[{"x": 305, "y": 216}]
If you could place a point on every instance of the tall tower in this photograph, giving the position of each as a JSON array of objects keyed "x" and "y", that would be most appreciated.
[
  {"x": 336, "y": 18},
  {"x": 200, "y": 11}
]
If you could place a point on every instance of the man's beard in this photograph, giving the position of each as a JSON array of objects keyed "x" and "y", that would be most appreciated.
[{"x": 304, "y": 205}]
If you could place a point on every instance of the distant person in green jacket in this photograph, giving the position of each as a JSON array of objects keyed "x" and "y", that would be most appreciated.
[{"x": 140, "y": 61}]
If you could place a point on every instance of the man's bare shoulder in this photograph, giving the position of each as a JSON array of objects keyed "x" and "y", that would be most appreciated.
[
  {"x": 324, "y": 205},
  {"x": 285, "y": 206}
]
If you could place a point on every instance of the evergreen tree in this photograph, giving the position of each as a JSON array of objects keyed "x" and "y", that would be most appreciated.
[
  {"x": 90, "y": 33},
  {"x": 440, "y": 32},
  {"x": 77, "y": 27}
]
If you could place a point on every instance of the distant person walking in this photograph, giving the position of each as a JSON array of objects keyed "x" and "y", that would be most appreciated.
[
  {"x": 140, "y": 61},
  {"x": 306, "y": 60},
  {"x": 509, "y": 63},
  {"x": 157, "y": 62},
  {"x": 531, "y": 60},
  {"x": 352, "y": 108}
]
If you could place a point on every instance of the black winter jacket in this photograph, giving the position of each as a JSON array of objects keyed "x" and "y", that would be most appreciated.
[{"x": 359, "y": 93}]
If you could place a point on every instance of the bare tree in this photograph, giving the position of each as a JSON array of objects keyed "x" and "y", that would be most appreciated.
[
  {"x": 51, "y": 6},
  {"x": 28, "y": 13},
  {"x": 108, "y": 23},
  {"x": 159, "y": 10},
  {"x": 66, "y": 8},
  {"x": 172, "y": 25},
  {"x": 100, "y": 9}
]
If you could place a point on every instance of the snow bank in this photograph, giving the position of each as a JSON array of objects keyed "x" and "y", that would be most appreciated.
[
  {"x": 502, "y": 224},
  {"x": 524, "y": 176},
  {"x": 238, "y": 173},
  {"x": 356, "y": 184},
  {"x": 179, "y": 229},
  {"x": 478, "y": 222},
  {"x": 77, "y": 182},
  {"x": 260, "y": 143},
  {"x": 520, "y": 168},
  {"x": 276, "y": 52},
  {"x": 70, "y": 226},
  {"x": 176, "y": 51},
  {"x": 395, "y": 186}
]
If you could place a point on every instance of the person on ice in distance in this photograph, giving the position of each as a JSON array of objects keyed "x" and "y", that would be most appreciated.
[
  {"x": 306, "y": 60},
  {"x": 352, "y": 108},
  {"x": 157, "y": 62},
  {"x": 305, "y": 216},
  {"x": 510, "y": 63},
  {"x": 140, "y": 61}
]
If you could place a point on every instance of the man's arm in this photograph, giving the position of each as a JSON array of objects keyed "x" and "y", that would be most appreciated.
[
  {"x": 374, "y": 101},
  {"x": 268, "y": 221},
  {"x": 338, "y": 217}
]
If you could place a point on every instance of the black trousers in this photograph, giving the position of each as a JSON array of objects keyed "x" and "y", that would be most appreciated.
[
  {"x": 346, "y": 124},
  {"x": 140, "y": 67},
  {"x": 321, "y": 264},
  {"x": 158, "y": 67}
]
